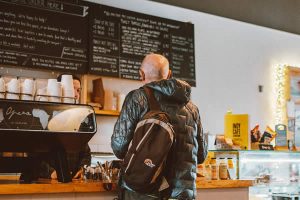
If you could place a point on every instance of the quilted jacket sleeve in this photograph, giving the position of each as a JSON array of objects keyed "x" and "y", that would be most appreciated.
[
  {"x": 133, "y": 109},
  {"x": 202, "y": 143}
]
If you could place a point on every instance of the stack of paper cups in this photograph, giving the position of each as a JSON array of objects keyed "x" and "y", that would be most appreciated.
[
  {"x": 54, "y": 90},
  {"x": 2, "y": 88},
  {"x": 27, "y": 89},
  {"x": 41, "y": 94},
  {"x": 68, "y": 96},
  {"x": 67, "y": 89},
  {"x": 121, "y": 98},
  {"x": 13, "y": 89}
]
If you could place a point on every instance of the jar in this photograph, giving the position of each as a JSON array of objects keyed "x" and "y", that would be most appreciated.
[
  {"x": 230, "y": 163},
  {"x": 223, "y": 174},
  {"x": 231, "y": 169},
  {"x": 213, "y": 161},
  {"x": 208, "y": 172},
  {"x": 213, "y": 169}
]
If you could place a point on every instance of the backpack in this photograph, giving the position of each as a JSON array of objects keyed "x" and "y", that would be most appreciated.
[{"x": 145, "y": 161}]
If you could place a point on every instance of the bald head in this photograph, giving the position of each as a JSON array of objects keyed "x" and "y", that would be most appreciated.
[{"x": 155, "y": 67}]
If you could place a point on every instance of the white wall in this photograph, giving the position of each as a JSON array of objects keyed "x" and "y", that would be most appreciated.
[{"x": 232, "y": 59}]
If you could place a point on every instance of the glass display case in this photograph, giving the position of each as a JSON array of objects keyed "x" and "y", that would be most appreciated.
[{"x": 276, "y": 173}]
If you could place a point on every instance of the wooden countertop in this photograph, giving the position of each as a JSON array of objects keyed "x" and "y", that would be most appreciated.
[
  {"x": 53, "y": 187},
  {"x": 12, "y": 187},
  {"x": 207, "y": 184}
]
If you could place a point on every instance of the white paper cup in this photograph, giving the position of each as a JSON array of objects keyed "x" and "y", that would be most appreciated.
[
  {"x": 67, "y": 82},
  {"x": 28, "y": 87},
  {"x": 2, "y": 88},
  {"x": 68, "y": 93},
  {"x": 54, "y": 99},
  {"x": 54, "y": 90},
  {"x": 41, "y": 98},
  {"x": 66, "y": 78},
  {"x": 68, "y": 100},
  {"x": 12, "y": 96},
  {"x": 26, "y": 97},
  {"x": 2, "y": 85},
  {"x": 51, "y": 83},
  {"x": 13, "y": 86},
  {"x": 42, "y": 91}
]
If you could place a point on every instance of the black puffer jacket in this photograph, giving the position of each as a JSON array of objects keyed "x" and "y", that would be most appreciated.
[{"x": 174, "y": 98}]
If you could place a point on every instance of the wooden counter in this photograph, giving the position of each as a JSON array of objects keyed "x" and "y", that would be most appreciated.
[
  {"x": 223, "y": 189},
  {"x": 206, "y": 184},
  {"x": 52, "y": 190},
  {"x": 43, "y": 187}
]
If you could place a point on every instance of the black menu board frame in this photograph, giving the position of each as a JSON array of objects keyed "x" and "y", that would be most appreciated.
[
  {"x": 44, "y": 34},
  {"x": 119, "y": 40}
]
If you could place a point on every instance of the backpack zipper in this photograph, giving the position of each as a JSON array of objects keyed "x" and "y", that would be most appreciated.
[
  {"x": 137, "y": 147},
  {"x": 129, "y": 162}
]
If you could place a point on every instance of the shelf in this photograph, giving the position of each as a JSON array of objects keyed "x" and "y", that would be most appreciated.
[{"x": 107, "y": 112}]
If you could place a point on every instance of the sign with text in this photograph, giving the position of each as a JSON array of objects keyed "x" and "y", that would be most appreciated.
[
  {"x": 266, "y": 147},
  {"x": 119, "y": 40},
  {"x": 44, "y": 35},
  {"x": 236, "y": 128},
  {"x": 281, "y": 135}
]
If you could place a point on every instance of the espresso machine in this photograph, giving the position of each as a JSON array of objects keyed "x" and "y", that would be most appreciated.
[{"x": 43, "y": 129}]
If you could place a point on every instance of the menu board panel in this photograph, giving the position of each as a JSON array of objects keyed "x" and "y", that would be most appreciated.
[
  {"x": 44, "y": 34},
  {"x": 119, "y": 40},
  {"x": 79, "y": 37}
]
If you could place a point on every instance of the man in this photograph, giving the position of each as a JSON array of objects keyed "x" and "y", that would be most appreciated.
[{"x": 174, "y": 98}]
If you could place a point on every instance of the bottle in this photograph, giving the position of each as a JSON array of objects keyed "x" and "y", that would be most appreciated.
[
  {"x": 223, "y": 169},
  {"x": 213, "y": 161},
  {"x": 207, "y": 172},
  {"x": 231, "y": 169},
  {"x": 214, "y": 169}
]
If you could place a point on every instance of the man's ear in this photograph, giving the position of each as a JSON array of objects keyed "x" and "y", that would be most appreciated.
[
  {"x": 169, "y": 74},
  {"x": 142, "y": 75}
]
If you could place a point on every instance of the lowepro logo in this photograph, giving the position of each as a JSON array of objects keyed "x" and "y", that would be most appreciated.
[{"x": 149, "y": 163}]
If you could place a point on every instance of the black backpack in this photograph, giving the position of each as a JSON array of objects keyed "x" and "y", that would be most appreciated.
[{"x": 146, "y": 158}]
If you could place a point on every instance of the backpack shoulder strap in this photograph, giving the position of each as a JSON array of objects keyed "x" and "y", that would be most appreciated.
[{"x": 153, "y": 104}]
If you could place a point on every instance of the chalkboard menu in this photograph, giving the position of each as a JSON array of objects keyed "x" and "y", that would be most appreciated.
[
  {"x": 44, "y": 34},
  {"x": 119, "y": 40},
  {"x": 83, "y": 37}
]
